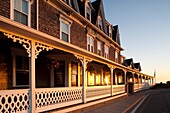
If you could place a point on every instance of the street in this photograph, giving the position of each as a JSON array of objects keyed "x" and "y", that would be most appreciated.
[{"x": 157, "y": 102}]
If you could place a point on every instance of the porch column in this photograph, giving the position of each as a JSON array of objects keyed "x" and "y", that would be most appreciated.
[
  {"x": 125, "y": 82},
  {"x": 84, "y": 62},
  {"x": 133, "y": 76},
  {"x": 111, "y": 81},
  {"x": 32, "y": 78}
]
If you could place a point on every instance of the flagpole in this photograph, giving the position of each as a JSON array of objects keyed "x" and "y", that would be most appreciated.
[{"x": 155, "y": 76}]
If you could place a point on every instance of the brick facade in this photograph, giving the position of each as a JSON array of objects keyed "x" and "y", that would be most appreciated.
[
  {"x": 78, "y": 35},
  {"x": 5, "y": 8},
  {"x": 112, "y": 53},
  {"x": 48, "y": 19},
  {"x": 33, "y": 15}
]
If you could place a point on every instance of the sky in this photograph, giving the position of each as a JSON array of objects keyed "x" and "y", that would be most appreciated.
[{"x": 144, "y": 27}]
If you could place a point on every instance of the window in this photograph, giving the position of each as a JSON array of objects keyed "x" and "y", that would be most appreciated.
[
  {"x": 67, "y": 2},
  {"x": 20, "y": 68},
  {"x": 88, "y": 13},
  {"x": 100, "y": 23},
  {"x": 65, "y": 31},
  {"x": 110, "y": 31},
  {"x": 90, "y": 44},
  {"x": 99, "y": 48},
  {"x": 20, "y": 11},
  {"x": 106, "y": 54},
  {"x": 116, "y": 56}
]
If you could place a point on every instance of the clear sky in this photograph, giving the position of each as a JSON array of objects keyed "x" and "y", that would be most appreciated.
[{"x": 144, "y": 32}]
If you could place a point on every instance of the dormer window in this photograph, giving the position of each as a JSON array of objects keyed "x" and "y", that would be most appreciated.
[
  {"x": 88, "y": 13},
  {"x": 100, "y": 23},
  {"x": 67, "y": 2},
  {"x": 110, "y": 31}
]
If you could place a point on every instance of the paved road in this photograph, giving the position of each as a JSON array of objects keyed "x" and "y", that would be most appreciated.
[
  {"x": 157, "y": 102},
  {"x": 120, "y": 105}
]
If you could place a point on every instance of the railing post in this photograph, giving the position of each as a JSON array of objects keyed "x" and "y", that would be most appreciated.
[
  {"x": 111, "y": 81},
  {"x": 32, "y": 78},
  {"x": 84, "y": 81},
  {"x": 84, "y": 62}
]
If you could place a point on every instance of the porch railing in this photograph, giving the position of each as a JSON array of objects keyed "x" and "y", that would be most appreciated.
[
  {"x": 52, "y": 98},
  {"x": 136, "y": 86},
  {"x": 117, "y": 89},
  {"x": 97, "y": 92},
  {"x": 14, "y": 101}
]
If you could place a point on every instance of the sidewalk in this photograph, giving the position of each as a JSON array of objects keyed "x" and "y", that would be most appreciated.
[
  {"x": 121, "y": 105},
  {"x": 115, "y": 104}
]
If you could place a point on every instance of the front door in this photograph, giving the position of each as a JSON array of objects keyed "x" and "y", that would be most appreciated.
[{"x": 59, "y": 75}]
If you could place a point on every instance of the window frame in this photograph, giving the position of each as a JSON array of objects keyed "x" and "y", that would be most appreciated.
[
  {"x": 12, "y": 8},
  {"x": 106, "y": 51},
  {"x": 90, "y": 43},
  {"x": 100, "y": 24},
  {"x": 68, "y": 22},
  {"x": 110, "y": 31},
  {"x": 116, "y": 56},
  {"x": 17, "y": 52},
  {"x": 87, "y": 7},
  {"x": 99, "y": 48}
]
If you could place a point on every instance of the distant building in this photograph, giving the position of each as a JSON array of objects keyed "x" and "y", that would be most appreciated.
[{"x": 56, "y": 53}]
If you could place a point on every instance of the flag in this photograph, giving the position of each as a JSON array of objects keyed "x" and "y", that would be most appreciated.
[{"x": 154, "y": 72}]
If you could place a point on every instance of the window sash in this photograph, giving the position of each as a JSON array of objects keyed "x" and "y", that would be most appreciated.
[
  {"x": 90, "y": 44},
  {"x": 65, "y": 37},
  {"x": 20, "y": 11}
]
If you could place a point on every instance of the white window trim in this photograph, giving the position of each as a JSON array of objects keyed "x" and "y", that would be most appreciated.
[
  {"x": 110, "y": 31},
  {"x": 99, "y": 18},
  {"x": 87, "y": 6},
  {"x": 89, "y": 36},
  {"x": 99, "y": 42},
  {"x": 12, "y": 11},
  {"x": 67, "y": 21},
  {"x": 106, "y": 52},
  {"x": 15, "y": 52}
]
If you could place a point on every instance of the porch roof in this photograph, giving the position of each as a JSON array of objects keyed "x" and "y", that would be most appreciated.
[{"x": 15, "y": 28}]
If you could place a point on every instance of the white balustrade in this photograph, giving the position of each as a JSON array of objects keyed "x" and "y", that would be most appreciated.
[
  {"x": 136, "y": 87},
  {"x": 14, "y": 101},
  {"x": 97, "y": 92},
  {"x": 52, "y": 98},
  {"x": 117, "y": 89}
]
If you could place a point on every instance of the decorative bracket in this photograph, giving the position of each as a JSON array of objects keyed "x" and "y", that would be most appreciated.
[
  {"x": 83, "y": 60},
  {"x": 25, "y": 42},
  {"x": 40, "y": 47}
]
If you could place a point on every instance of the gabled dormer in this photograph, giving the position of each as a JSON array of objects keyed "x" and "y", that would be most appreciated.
[
  {"x": 137, "y": 66},
  {"x": 98, "y": 16},
  {"x": 116, "y": 35},
  {"x": 129, "y": 63}
]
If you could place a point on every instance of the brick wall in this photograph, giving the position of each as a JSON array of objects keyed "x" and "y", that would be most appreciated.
[
  {"x": 95, "y": 45},
  {"x": 48, "y": 19},
  {"x": 78, "y": 35},
  {"x": 5, "y": 8},
  {"x": 112, "y": 53},
  {"x": 33, "y": 15}
]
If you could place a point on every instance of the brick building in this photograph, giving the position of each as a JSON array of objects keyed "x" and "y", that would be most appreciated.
[{"x": 56, "y": 53}]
